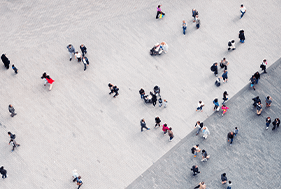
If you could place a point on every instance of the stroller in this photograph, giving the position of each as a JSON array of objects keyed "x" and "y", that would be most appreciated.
[{"x": 156, "y": 50}]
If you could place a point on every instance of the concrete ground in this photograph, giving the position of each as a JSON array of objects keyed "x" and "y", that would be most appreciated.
[{"x": 78, "y": 125}]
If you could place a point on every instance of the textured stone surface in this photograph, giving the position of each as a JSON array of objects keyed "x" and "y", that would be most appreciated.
[{"x": 78, "y": 125}]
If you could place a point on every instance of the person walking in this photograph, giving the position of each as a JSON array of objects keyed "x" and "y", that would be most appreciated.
[
  {"x": 3, "y": 172},
  {"x": 115, "y": 89},
  {"x": 205, "y": 156},
  {"x": 224, "y": 97},
  {"x": 229, "y": 184},
  {"x": 194, "y": 14},
  {"x": 14, "y": 144},
  {"x": 205, "y": 132},
  {"x": 198, "y": 23},
  {"x": 195, "y": 149},
  {"x": 241, "y": 36},
  {"x": 199, "y": 126},
  {"x": 224, "y": 63},
  {"x": 5, "y": 61},
  {"x": 214, "y": 68},
  {"x": 171, "y": 134},
  {"x": 110, "y": 88},
  {"x": 253, "y": 81},
  {"x": 224, "y": 109},
  {"x": 263, "y": 65},
  {"x": 12, "y": 136},
  {"x": 85, "y": 62},
  {"x": 201, "y": 185},
  {"x": 231, "y": 44},
  {"x": 224, "y": 76},
  {"x": 217, "y": 105},
  {"x": 242, "y": 10},
  {"x": 75, "y": 175},
  {"x": 44, "y": 75},
  {"x": 50, "y": 81},
  {"x": 200, "y": 106},
  {"x": 83, "y": 49},
  {"x": 268, "y": 101},
  {"x": 184, "y": 27},
  {"x": 165, "y": 128},
  {"x": 159, "y": 11},
  {"x": 259, "y": 108},
  {"x": 142, "y": 93},
  {"x": 154, "y": 99},
  {"x": 195, "y": 170},
  {"x": 230, "y": 137},
  {"x": 267, "y": 122},
  {"x": 143, "y": 125},
  {"x": 223, "y": 178},
  {"x": 276, "y": 123},
  {"x": 12, "y": 110},
  {"x": 78, "y": 56},
  {"x": 257, "y": 76},
  {"x": 165, "y": 103},
  {"x": 15, "y": 69},
  {"x": 160, "y": 101},
  {"x": 71, "y": 51},
  {"x": 157, "y": 122},
  {"x": 79, "y": 182},
  {"x": 236, "y": 131}
]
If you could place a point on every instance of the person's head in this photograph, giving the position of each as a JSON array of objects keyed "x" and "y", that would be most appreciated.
[
  {"x": 165, "y": 124},
  {"x": 264, "y": 60},
  {"x": 216, "y": 100},
  {"x": 203, "y": 151},
  {"x": 223, "y": 105},
  {"x": 225, "y": 92},
  {"x": 69, "y": 45},
  {"x": 254, "y": 77},
  {"x": 165, "y": 100},
  {"x": 224, "y": 174},
  {"x": 82, "y": 45},
  {"x": 9, "y": 133},
  {"x": 183, "y": 21},
  {"x": 159, "y": 6},
  {"x": 157, "y": 117},
  {"x": 196, "y": 16},
  {"x": 48, "y": 77},
  {"x": 268, "y": 97},
  {"x": 13, "y": 65},
  {"x": 197, "y": 145},
  {"x": 241, "y": 5},
  {"x": 259, "y": 102},
  {"x": 10, "y": 105},
  {"x": 268, "y": 117},
  {"x": 142, "y": 120},
  {"x": 198, "y": 122},
  {"x": 79, "y": 177},
  {"x": 231, "y": 133},
  {"x": 229, "y": 182},
  {"x": 204, "y": 128},
  {"x": 195, "y": 166},
  {"x": 223, "y": 59},
  {"x": 233, "y": 41},
  {"x": 235, "y": 127},
  {"x": 2, "y": 167},
  {"x": 200, "y": 102},
  {"x": 202, "y": 183},
  {"x": 109, "y": 85},
  {"x": 76, "y": 52},
  {"x": 193, "y": 9},
  {"x": 216, "y": 63},
  {"x": 170, "y": 128},
  {"x": 224, "y": 71}
]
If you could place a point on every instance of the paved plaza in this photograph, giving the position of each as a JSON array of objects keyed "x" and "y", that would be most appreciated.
[{"x": 79, "y": 126}]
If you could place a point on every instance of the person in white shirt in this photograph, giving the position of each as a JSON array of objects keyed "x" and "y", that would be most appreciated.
[
  {"x": 200, "y": 106},
  {"x": 206, "y": 132},
  {"x": 242, "y": 10}
]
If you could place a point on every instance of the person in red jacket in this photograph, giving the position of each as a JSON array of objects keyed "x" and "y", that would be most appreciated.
[
  {"x": 165, "y": 128},
  {"x": 50, "y": 81}
]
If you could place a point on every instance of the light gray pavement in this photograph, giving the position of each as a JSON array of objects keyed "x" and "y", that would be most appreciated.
[
  {"x": 78, "y": 125},
  {"x": 251, "y": 162}
]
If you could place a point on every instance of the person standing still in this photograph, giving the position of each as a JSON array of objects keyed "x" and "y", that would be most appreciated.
[
  {"x": 143, "y": 125},
  {"x": 205, "y": 132},
  {"x": 224, "y": 76},
  {"x": 199, "y": 126},
  {"x": 200, "y": 106},
  {"x": 223, "y": 178},
  {"x": 85, "y": 62},
  {"x": 12, "y": 110},
  {"x": 71, "y": 51},
  {"x": 253, "y": 81},
  {"x": 241, "y": 36},
  {"x": 236, "y": 131},
  {"x": 230, "y": 136},
  {"x": 5, "y": 61},
  {"x": 268, "y": 101},
  {"x": 263, "y": 65},
  {"x": 165, "y": 128},
  {"x": 157, "y": 122},
  {"x": 183, "y": 26},
  {"x": 3, "y": 172},
  {"x": 229, "y": 184},
  {"x": 276, "y": 123},
  {"x": 83, "y": 49},
  {"x": 267, "y": 122},
  {"x": 194, "y": 14},
  {"x": 195, "y": 149},
  {"x": 195, "y": 170},
  {"x": 198, "y": 23},
  {"x": 257, "y": 76},
  {"x": 171, "y": 134},
  {"x": 242, "y": 10},
  {"x": 205, "y": 156},
  {"x": 224, "y": 109},
  {"x": 79, "y": 182},
  {"x": 259, "y": 108},
  {"x": 225, "y": 95},
  {"x": 142, "y": 93},
  {"x": 214, "y": 68},
  {"x": 224, "y": 63}
]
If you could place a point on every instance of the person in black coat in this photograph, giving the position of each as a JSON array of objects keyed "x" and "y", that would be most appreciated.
[
  {"x": 83, "y": 49},
  {"x": 5, "y": 61},
  {"x": 154, "y": 99},
  {"x": 157, "y": 121},
  {"x": 214, "y": 68},
  {"x": 3, "y": 172},
  {"x": 276, "y": 123},
  {"x": 195, "y": 170},
  {"x": 241, "y": 36},
  {"x": 257, "y": 76}
]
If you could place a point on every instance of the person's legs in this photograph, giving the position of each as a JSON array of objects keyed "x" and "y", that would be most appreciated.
[
  {"x": 242, "y": 14},
  {"x": 74, "y": 179},
  {"x": 231, "y": 140},
  {"x": 199, "y": 129},
  {"x": 45, "y": 82},
  {"x": 116, "y": 94},
  {"x": 157, "y": 15},
  {"x": 216, "y": 72},
  {"x": 257, "y": 81},
  {"x": 197, "y": 25},
  {"x": 171, "y": 138},
  {"x": 85, "y": 67},
  {"x": 51, "y": 86},
  {"x": 184, "y": 28},
  {"x": 70, "y": 55}
]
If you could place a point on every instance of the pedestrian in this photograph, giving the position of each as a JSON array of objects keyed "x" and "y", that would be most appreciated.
[
  {"x": 5, "y": 61},
  {"x": 263, "y": 65},
  {"x": 142, "y": 93},
  {"x": 83, "y": 49},
  {"x": 224, "y": 97},
  {"x": 3, "y": 172},
  {"x": 78, "y": 56},
  {"x": 14, "y": 144},
  {"x": 160, "y": 102},
  {"x": 75, "y": 175},
  {"x": 195, "y": 149},
  {"x": 229, "y": 184},
  {"x": 267, "y": 122},
  {"x": 165, "y": 103},
  {"x": 44, "y": 75},
  {"x": 223, "y": 178},
  {"x": 79, "y": 182},
  {"x": 198, "y": 125},
  {"x": 231, "y": 44},
  {"x": 115, "y": 89},
  {"x": 183, "y": 26},
  {"x": 268, "y": 101},
  {"x": 200, "y": 106},
  {"x": 205, "y": 132},
  {"x": 230, "y": 136},
  {"x": 50, "y": 81},
  {"x": 159, "y": 12},
  {"x": 85, "y": 62},
  {"x": 165, "y": 128},
  {"x": 71, "y": 51},
  {"x": 110, "y": 88},
  {"x": 205, "y": 156},
  {"x": 236, "y": 131},
  {"x": 143, "y": 125},
  {"x": 154, "y": 99},
  {"x": 214, "y": 68},
  {"x": 276, "y": 123},
  {"x": 156, "y": 90},
  {"x": 224, "y": 76},
  {"x": 224, "y": 63},
  {"x": 171, "y": 134},
  {"x": 194, "y": 14},
  {"x": 224, "y": 109},
  {"x": 217, "y": 105},
  {"x": 12, "y": 110},
  {"x": 241, "y": 36},
  {"x": 242, "y": 10},
  {"x": 253, "y": 81},
  {"x": 198, "y": 23},
  {"x": 157, "y": 122},
  {"x": 15, "y": 69},
  {"x": 259, "y": 108},
  {"x": 201, "y": 185},
  {"x": 195, "y": 170},
  {"x": 12, "y": 136},
  {"x": 257, "y": 76}
]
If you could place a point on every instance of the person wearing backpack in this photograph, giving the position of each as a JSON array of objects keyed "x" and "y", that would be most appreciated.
[
  {"x": 195, "y": 149},
  {"x": 214, "y": 68}
]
